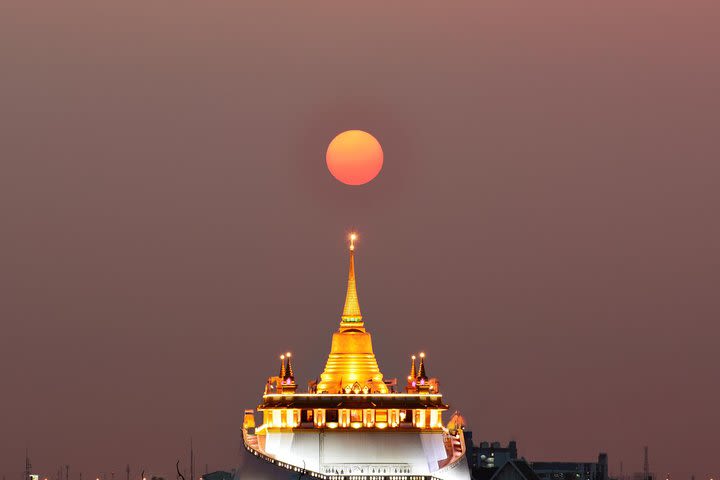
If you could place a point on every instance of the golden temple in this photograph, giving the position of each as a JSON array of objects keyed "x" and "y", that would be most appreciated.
[
  {"x": 353, "y": 423},
  {"x": 352, "y": 376},
  {"x": 393, "y": 432}
]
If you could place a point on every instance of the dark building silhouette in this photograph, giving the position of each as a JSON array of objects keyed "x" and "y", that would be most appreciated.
[
  {"x": 487, "y": 459},
  {"x": 514, "y": 470},
  {"x": 219, "y": 475},
  {"x": 493, "y": 454},
  {"x": 573, "y": 470}
]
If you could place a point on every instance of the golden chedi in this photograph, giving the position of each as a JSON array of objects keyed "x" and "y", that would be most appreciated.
[{"x": 351, "y": 366}]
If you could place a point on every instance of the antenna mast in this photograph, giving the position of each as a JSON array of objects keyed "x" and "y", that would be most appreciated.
[
  {"x": 28, "y": 465},
  {"x": 192, "y": 461}
]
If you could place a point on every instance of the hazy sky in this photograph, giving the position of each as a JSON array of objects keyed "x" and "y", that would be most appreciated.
[{"x": 545, "y": 228}]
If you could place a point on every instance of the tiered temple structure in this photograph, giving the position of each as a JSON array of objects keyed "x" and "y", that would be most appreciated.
[{"x": 353, "y": 423}]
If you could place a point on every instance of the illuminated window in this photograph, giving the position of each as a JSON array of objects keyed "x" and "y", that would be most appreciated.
[
  {"x": 319, "y": 418},
  {"x": 356, "y": 415},
  {"x": 394, "y": 415},
  {"x": 369, "y": 417},
  {"x": 435, "y": 418},
  {"x": 420, "y": 418},
  {"x": 293, "y": 417},
  {"x": 381, "y": 415}
]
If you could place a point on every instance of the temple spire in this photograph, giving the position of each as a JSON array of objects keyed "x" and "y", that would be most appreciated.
[
  {"x": 289, "y": 374},
  {"x": 282, "y": 367},
  {"x": 422, "y": 376},
  {"x": 413, "y": 374},
  {"x": 351, "y": 311}
]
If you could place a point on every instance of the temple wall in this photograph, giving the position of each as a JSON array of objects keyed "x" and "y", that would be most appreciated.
[
  {"x": 358, "y": 450},
  {"x": 300, "y": 448}
]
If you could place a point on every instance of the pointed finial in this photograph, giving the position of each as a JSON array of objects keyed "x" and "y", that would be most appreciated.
[
  {"x": 413, "y": 373},
  {"x": 351, "y": 310},
  {"x": 422, "y": 376},
  {"x": 288, "y": 369},
  {"x": 282, "y": 366}
]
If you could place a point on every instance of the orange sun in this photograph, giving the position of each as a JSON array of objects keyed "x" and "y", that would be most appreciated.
[{"x": 354, "y": 157}]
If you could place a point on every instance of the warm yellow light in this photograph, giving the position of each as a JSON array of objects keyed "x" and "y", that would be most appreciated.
[
  {"x": 422, "y": 354},
  {"x": 413, "y": 357},
  {"x": 288, "y": 354},
  {"x": 325, "y": 395},
  {"x": 282, "y": 357},
  {"x": 331, "y": 424}
]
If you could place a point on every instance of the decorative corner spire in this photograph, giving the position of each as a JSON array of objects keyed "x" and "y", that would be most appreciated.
[
  {"x": 282, "y": 367},
  {"x": 413, "y": 372},
  {"x": 288, "y": 368},
  {"x": 422, "y": 376},
  {"x": 351, "y": 310}
]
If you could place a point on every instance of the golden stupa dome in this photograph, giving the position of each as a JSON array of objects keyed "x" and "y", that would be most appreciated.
[{"x": 351, "y": 358}]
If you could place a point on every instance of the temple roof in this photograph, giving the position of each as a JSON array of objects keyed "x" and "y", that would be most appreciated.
[
  {"x": 400, "y": 401},
  {"x": 456, "y": 422}
]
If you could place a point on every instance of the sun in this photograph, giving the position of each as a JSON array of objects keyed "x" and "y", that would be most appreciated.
[{"x": 354, "y": 157}]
